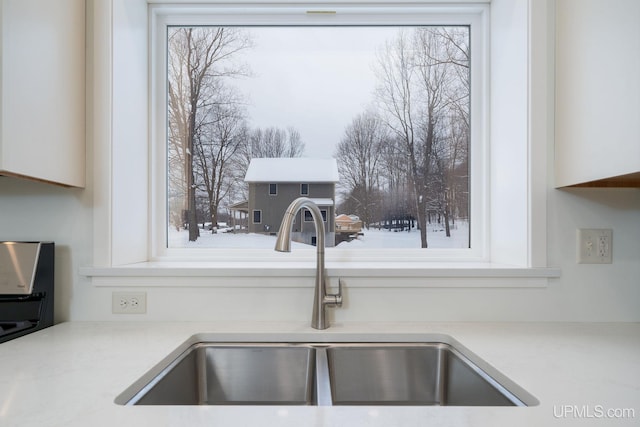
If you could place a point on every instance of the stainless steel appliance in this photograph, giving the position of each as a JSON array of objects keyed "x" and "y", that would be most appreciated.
[{"x": 26, "y": 288}]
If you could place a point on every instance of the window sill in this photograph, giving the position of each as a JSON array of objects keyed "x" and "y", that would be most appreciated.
[{"x": 261, "y": 275}]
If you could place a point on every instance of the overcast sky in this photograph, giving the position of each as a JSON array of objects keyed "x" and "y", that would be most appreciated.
[{"x": 316, "y": 79}]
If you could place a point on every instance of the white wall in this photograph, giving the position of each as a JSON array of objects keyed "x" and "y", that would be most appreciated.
[
  {"x": 42, "y": 212},
  {"x": 595, "y": 292}
]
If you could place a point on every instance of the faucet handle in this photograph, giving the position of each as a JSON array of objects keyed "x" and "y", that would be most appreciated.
[
  {"x": 334, "y": 300},
  {"x": 339, "y": 294}
]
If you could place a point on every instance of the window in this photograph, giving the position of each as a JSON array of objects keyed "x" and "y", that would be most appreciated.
[
  {"x": 257, "y": 217},
  {"x": 128, "y": 114},
  {"x": 384, "y": 140},
  {"x": 308, "y": 217}
]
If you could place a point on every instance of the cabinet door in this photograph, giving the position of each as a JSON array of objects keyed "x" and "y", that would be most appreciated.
[
  {"x": 43, "y": 90},
  {"x": 597, "y": 92}
]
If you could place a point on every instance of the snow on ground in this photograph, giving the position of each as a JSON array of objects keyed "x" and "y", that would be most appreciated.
[
  {"x": 436, "y": 238},
  {"x": 372, "y": 238}
]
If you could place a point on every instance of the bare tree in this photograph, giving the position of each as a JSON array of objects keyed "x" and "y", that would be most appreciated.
[
  {"x": 359, "y": 163},
  {"x": 395, "y": 181},
  {"x": 269, "y": 142},
  {"x": 442, "y": 56},
  {"x": 419, "y": 86},
  {"x": 276, "y": 142},
  {"x": 396, "y": 92},
  {"x": 217, "y": 142},
  {"x": 198, "y": 59}
]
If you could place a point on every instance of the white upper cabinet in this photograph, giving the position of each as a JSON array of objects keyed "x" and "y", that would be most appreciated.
[
  {"x": 597, "y": 93},
  {"x": 42, "y": 90}
]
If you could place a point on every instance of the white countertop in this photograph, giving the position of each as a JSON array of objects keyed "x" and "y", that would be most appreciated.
[{"x": 69, "y": 375}]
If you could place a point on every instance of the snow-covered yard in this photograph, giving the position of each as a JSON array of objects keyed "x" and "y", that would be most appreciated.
[
  {"x": 436, "y": 238},
  {"x": 372, "y": 238}
]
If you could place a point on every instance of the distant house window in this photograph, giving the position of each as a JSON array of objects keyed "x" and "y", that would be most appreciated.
[
  {"x": 273, "y": 189},
  {"x": 304, "y": 189},
  {"x": 257, "y": 216},
  {"x": 309, "y": 218}
]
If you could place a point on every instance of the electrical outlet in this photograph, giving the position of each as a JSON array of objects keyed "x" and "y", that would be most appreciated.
[
  {"x": 594, "y": 246},
  {"x": 129, "y": 302}
]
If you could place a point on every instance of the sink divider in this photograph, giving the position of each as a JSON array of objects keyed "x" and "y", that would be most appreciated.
[
  {"x": 323, "y": 382},
  {"x": 201, "y": 363}
]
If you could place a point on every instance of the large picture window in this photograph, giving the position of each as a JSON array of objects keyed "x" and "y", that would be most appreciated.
[
  {"x": 507, "y": 188},
  {"x": 390, "y": 105}
]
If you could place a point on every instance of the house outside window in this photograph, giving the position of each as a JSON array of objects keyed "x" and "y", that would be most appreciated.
[
  {"x": 304, "y": 189},
  {"x": 273, "y": 189},
  {"x": 288, "y": 172}
]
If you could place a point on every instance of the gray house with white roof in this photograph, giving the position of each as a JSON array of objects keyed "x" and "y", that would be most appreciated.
[{"x": 275, "y": 182}]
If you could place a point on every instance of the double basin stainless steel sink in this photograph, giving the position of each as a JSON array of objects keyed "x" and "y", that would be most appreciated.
[{"x": 437, "y": 372}]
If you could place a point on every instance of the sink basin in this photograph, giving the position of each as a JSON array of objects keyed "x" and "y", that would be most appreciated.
[
  {"x": 234, "y": 374},
  {"x": 438, "y": 372},
  {"x": 411, "y": 374}
]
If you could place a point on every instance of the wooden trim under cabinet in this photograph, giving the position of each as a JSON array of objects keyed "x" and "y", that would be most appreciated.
[{"x": 631, "y": 180}]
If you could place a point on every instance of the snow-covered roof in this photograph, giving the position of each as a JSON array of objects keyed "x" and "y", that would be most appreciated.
[
  {"x": 323, "y": 202},
  {"x": 292, "y": 169}
]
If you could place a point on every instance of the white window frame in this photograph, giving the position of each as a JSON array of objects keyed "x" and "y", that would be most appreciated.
[
  {"x": 473, "y": 15},
  {"x": 276, "y": 188},
  {"x": 521, "y": 129}
]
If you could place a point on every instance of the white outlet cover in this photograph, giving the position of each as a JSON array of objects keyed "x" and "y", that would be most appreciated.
[
  {"x": 594, "y": 246},
  {"x": 129, "y": 302}
]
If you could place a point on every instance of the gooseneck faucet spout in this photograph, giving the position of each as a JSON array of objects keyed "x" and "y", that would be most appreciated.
[{"x": 283, "y": 244}]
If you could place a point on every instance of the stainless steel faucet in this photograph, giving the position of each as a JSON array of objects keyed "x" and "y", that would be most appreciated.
[{"x": 283, "y": 244}]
